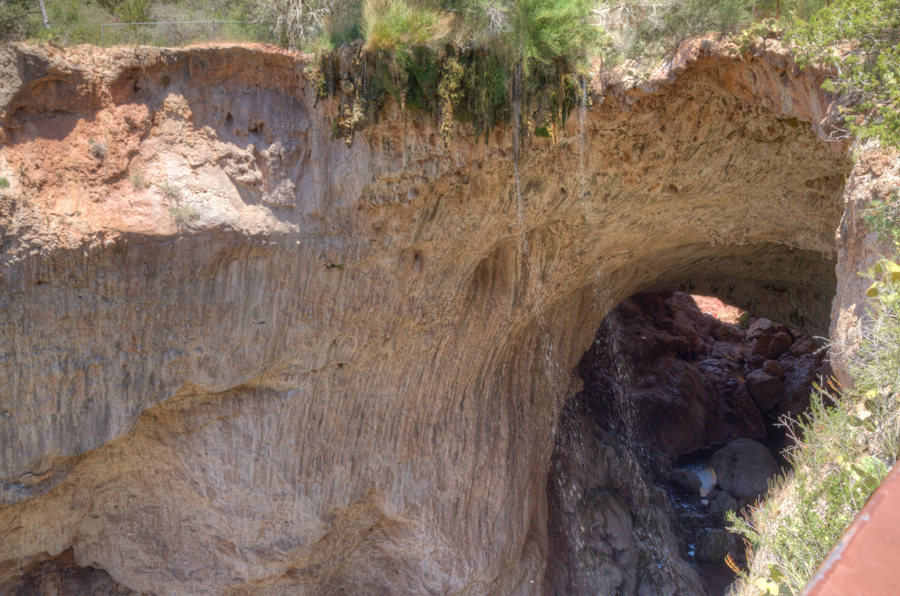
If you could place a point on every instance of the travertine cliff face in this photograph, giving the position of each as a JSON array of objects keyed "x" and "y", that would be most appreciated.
[
  {"x": 323, "y": 368},
  {"x": 876, "y": 175}
]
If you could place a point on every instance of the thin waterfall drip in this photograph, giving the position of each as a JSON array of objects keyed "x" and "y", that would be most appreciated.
[
  {"x": 329, "y": 74},
  {"x": 582, "y": 137},
  {"x": 612, "y": 525},
  {"x": 363, "y": 81},
  {"x": 517, "y": 148},
  {"x": 553, "y": 371},
  {"x": 661, "y": 545}
]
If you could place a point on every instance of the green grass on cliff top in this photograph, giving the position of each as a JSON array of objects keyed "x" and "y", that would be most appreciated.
[{"x": 537, "y": 33}]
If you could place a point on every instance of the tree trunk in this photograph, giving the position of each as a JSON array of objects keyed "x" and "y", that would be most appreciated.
[{"x": 44, "y": 14}]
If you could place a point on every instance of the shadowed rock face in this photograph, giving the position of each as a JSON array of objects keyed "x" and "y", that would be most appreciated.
[
  {"x": 664, "y": 378},
  {"x": 62, "y": 575},
  {"x": 342, "y": 371},
  {"x": 679, "y": 380}
]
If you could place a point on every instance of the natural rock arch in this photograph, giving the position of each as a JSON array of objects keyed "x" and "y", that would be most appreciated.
[{"x": 346, "y": 374}]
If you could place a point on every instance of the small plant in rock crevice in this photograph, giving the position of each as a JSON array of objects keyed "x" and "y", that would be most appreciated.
[
  {"x": 138, "y": 182},
  {"x": 170, "y": 190},
  {"x": 450, "y": 94},
  {"x": 98, "y": 149},
  {"x": 184, "y": 215}
]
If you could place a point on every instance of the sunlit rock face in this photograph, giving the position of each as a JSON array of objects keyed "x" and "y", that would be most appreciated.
[
  {"x": 296, "y": 365},
  {"x": 875, "y": 177}
]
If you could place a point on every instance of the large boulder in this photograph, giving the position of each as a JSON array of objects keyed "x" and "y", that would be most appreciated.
[
  {"x": 803, "y": 345},
  {"x": 713, "y": 545},
  {"x": 685, "y": 480},
  {"x": 760, "y": 327},
  {"x": 765, "y": 389},
  {"x": 743, "y": 468},
  {"x": 726, "y": 331},
  {"x": 772, "y": 346},
  {"x": 780, "y": 343}
]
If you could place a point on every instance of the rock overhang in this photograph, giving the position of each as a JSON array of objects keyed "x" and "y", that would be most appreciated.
[{"x": 412, "y": 303}]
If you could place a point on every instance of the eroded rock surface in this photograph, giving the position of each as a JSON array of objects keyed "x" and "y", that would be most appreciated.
[
  {"x": 62, "y": 576},
  {"x": 874, "y": 178},
  {"x": 240, "y": 355}
]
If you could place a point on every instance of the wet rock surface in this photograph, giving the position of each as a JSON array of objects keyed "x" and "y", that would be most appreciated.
[
  {"x": 685, "y": 480},
  {"x": 611, "y": 529},
  {"x": 714, "y": 544},
  {"x": 744, "y": 468}
]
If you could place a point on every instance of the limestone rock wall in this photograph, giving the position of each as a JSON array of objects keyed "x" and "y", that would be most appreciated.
[{"x": 238, "y": 355}]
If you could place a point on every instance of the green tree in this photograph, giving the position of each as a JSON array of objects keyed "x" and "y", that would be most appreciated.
[
  {"x": 548, "y": 31},
  {"x": 15, "y": 18},
  {"x": 859, "y": 40},
  {"x": 134, "y": 11}
]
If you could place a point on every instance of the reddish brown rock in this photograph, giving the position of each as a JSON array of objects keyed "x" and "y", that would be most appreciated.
[
  {"x": 761, "y": 348},
  {"x": 779, "y": 344},
  {"x": 685, "y": 391},
  {"x": 760, "y": 327},
  {"x": 755, "y": 362},
  {"x": 802, "y": 346},
  {"x": 773, "y": 368},
  {"x": 766, "y": 390},
  {"x": 727, "y": 332}
]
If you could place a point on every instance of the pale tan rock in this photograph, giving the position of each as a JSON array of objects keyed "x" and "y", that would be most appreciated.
[
  {"x": 875, "y": 176},
  {"x": 345, "y": 372}
]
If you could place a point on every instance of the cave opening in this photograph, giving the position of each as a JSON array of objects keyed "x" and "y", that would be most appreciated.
[{"x": 684, "y": 416}]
